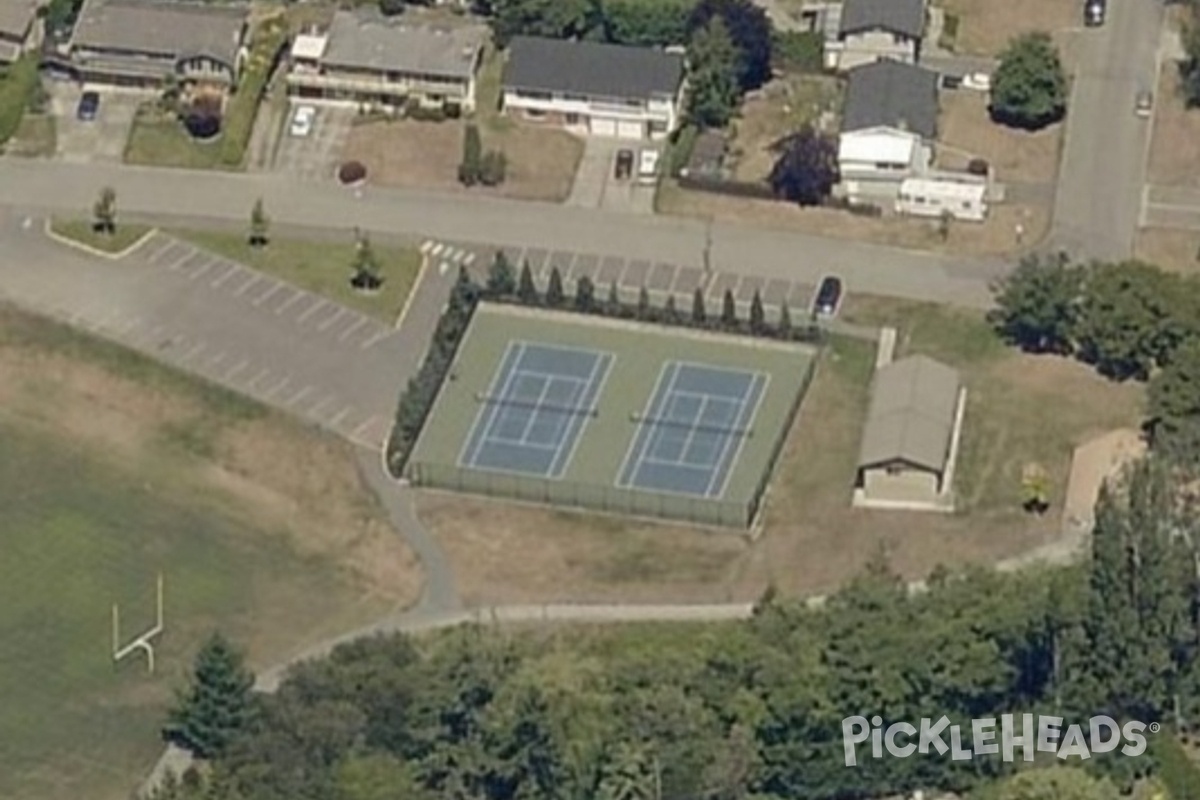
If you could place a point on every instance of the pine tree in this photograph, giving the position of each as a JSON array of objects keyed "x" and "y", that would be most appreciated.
[
  {"x": 670, "y": 313},
  {"x": 259, "y": 224},
  {"x": 104, "y": 211},
  {"x": 218, "y": 704},
  {"x": 758, "y": 316},
  {"x": 500, "y": 281},
  {"x": 613, "y": 303},
  {"x": 365, "y": 265},
  {"x": 729, "y": 318},
  {"x": 585, "y": 294},
  {"x": 785, "y": 321},
  {"x": 464, "y": 295},
  {"x": 643, "y": 305},
  {"x": 554, "y": 290},
  {"x": 699, "y": 315},
  {"x": 527, "y": 291}
]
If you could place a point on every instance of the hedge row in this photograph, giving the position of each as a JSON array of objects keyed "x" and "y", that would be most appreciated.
[
  {"x": 18, "y": 83},
  {"x": 265, "y": 52}
]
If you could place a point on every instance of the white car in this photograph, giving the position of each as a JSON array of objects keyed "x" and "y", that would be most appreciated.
[
  {"x": 979, "y": 81},
  {"x": 648, "y": 166},
  {"x": 302, "y": 120}
]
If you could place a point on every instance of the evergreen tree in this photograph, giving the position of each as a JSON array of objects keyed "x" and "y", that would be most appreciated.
[
  {"x": 365, "y": 266},
  {"x": 699, "y": 316},
  {"x": 464, "y": 295},
  {"x": 471, "y": 166},
  {"x": 104, "y": 211},
  {"x": 585, "y": 295},
  {"x": 500, "y": 281},
  {"x": 613, "y": 304},
  {"x": 555, "y": 296},
  {"x": 670, "y": 313},
  {"x": 643, "y": 304},
  {"x": 758, "y": 316},
  {"x": 527, "y": 291},
  {"x": 217, "y": 706},
  {"x": 785, "y": 321},
  {"x": 259, "y": 224},
  {"x": 729, "y": 319}
]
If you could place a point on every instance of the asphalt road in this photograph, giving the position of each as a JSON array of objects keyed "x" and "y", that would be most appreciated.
[
  {"x": 1104, "y": 158},
  {"x": 64, "y": 188}
]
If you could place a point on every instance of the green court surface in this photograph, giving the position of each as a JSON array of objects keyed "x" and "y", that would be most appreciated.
[{"x": 610, "y": 415}]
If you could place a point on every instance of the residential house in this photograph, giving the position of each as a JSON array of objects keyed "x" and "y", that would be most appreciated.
[
  {"x": 367, "y": 59},
  {"x": 138, "y": 43},
  {"x": 19, "y": 29},
  {"x": 910, "y": 440},
  {"x": 872, "y": 30},
  {"x": 596, "y": 89},
  {"x": 889, "y": 125}
]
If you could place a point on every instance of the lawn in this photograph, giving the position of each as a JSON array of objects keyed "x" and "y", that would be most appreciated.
[
  {"x": 985, "y": 27},
  {"x": 777, "y": 110},
  {"x": 966, "y": 131},
  {"x": 1175, "y": 141},
  {"x": 114, "y": 469},
  {"x": 36, "y": 137},
  {"x": 81, "y": 231},
  {"x": 1169, "y": 248},
  {"x": 322, "y": 267},
  {"x": 158, "y": 139},
  {"x": 17, "y": 84}
]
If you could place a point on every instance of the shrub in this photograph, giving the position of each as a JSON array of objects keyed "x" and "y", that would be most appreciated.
[
  {"x": 949, "y": 32},
  {"x": 419, "y": 113},
  {"x": 802, "y": 51},
  {"x": 352, "y": 172},
  {"x": 243, "y": 106},
  {"x": 472, "y": 159},
  {"x": 978, "y": 166},
  {"x": 452, "y": 110},
  {"x": 494, "y": 168},
  {"x": 202, "y": 125},
  {"x": 391, "y": 8}
]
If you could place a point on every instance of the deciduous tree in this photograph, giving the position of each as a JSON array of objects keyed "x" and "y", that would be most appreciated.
[
  {"x": 1126, "y": 323},
  {"x": 1038, "y": 303},
  {"x": 104, "y": 211},
  {"x": 259, "y": 225},
  {"x": 806, "y": 169},
  {"x": 1174, "y": 405},
  {"x": 1029, "y": 88},
  {"x": 749, "y": 30}
]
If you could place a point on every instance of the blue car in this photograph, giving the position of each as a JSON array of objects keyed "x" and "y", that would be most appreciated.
[{"x": 89, "y": 106}]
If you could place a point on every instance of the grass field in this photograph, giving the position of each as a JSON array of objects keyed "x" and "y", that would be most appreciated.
[
  {"x": 158, "y": 139},
  {"x": 322, "y": 267},
  {"x": 81, "y": 231},
  {"x": 113, "y": 468}
]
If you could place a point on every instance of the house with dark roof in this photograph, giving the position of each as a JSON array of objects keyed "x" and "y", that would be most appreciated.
[
  {"x": 595, "y": 89},
  {"x": 367, "y": 59},
  {"x": 871, "y": 30},
  {"x": 910, "y": 441},
  {"x": 140, "y": 42},
  {"x": 889, "y": 126},
  {"x": 19, "y": 29}
]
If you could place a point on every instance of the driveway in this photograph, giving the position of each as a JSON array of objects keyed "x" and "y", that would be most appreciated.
[
  {"x": 101, "y": 140},
  {"x": 596, "y": 186},
  {"x": 316, "y": 156}
]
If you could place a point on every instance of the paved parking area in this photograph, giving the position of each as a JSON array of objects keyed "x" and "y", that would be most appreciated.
[
  {"x": 1171, "y": 207},
  {"x": 101, "y": 140},
  {"x": 316, "y": 156},
  {"x": 659, "y": 278}
]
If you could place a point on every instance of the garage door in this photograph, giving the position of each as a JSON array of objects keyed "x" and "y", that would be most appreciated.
[
  {"x": 631, "y": 130},
  {"x": 603, "y": 127}
]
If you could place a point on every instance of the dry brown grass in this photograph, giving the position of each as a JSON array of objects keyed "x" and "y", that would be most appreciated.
[
  {"x": 986, "y": 26},
  {"x": 1175, "y": 141},
  {"x": 780, "y": 108},
  {"x": 995, "y": 236},
  {"x": 966, "y": 131},
  {"x": 1171, "y": 249},
  {"x": 426, "y": 155},
  {"x": 812, "y": 539}
]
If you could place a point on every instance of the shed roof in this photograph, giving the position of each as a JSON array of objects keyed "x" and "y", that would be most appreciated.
[
  {"x": 911, "y": 416},
  {"x": 175, "y": 29},
  {"x": 372, "y": 41},
  {"x": 594, "y": 69},
  {"x": 891, "y": 94},
  {"x": 906, "y": 17}
]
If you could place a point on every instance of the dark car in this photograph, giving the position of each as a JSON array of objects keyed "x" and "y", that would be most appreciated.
[
  {"x": 1093, "y": 12},
  {"x": 623, "y": 168},
  {"x": 829, "y": 297},
  {"x": 89, "y": 106}
]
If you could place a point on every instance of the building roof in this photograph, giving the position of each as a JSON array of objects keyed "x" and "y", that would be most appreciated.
[
  {"x": 891, "y": 94},
  {"x": 373, "y": 41},
  {"x": 875, "y": 145},
  {"x": 594, "y": 69},
  {"x": 898, "y": 16},
  {"x": 911, "y": 416},
  {"x": 15, "y": 16},
  {"x": 174, "y": 29},
  {"x": 950, "y": 189}
]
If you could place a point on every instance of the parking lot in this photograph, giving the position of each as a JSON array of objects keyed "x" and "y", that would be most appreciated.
[
  {"x": 101, "y": 140},
  {"x": 315, "y": 156},
  {"x": 660, "y": 279}
]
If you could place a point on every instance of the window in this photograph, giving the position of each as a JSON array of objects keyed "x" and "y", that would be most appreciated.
[
  {"x": 534, "y": 113},
  {"x": 571, "y": 119}
]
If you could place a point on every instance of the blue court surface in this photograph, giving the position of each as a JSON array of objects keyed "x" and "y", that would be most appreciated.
[
  {"x": 532, "y": 416},
  {"x": 689, "y": 437}
]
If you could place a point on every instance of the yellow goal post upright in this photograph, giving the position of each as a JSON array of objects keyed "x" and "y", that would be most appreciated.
[{"x": 144, "y": 641}]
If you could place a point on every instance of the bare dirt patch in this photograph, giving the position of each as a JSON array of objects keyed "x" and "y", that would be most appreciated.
[
  {"x": 1175, "y": 141},
  {"x": 1176, "y": 250},
  {"x": 985, "y": 26},
  {"x": 779, "y": 109},
  {"x": 426, "y": 155},
  {"x": 966, "y": 131},
  {"x": 995, "y": 236}
]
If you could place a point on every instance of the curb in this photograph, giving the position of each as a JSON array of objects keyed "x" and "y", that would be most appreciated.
[
  {"x": 47, "y": 229},
  {"x": 413, "y": 292}
]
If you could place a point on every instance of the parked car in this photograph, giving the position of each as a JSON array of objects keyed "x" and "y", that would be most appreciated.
[
  {"x": 623, "y": 167},
  {"x": 89, "y": 106},
  {"x": 829, "y": 297},
  {"x": 648, "y": 166},
  {"x": 979, "y": 81},
  {"x": 1093, "y": 12},
  {"x": 1144, "y": 104},
  {"x": 302, "y": 121}
]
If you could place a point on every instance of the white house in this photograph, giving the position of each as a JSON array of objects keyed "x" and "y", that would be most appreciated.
[
  {"x": 596, "y": 89},
  {"x": 963, "y": 198},
  {"x": 872, "y": 30}
]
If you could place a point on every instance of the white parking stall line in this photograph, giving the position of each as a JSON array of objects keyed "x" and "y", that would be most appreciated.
[
  {"x": 291, "y": 301},
  {"x": 443, "y": 267},
  {"x": 196, "y": 350},
  {"x": 216, "y": 361},
  {"x": 327, "y": 324},
  {"x": 155, "y": 332},
  {"x": 317, "y": 410},
  {"x": 426, "y": 246},
  {"x": 254, "y": 381},
  {"x": 108, "y": 319},
  {"x": 178, "y": 263},
  {"x": 300, "y": 395},
  {"x": 436, "y": 250},
  {"x": 162, "y": 251},
  {"x": 241, "y": 290},
  {"x": 469, "y": 260},
  {"x": 276, "y": 389},
  {"x": 129, "y": 326},
  {"x": 237, "y": 369},
  {"x": 361, "y": 430},
  {"x": 341, "y": 415},
  {"x": 202, "y": 271},
  {"x": 311, "y": 310},
  {"x": 236, "y": 268},
  {"x": 376, "y": 339},
  {"x": 267, "y": 295},
  {"x": 349, "y": 331},
  {"x": 459, "y": 257}
]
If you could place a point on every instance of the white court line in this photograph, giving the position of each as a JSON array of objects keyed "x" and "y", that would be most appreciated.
[
  {"x": 204, "y": 268},
  {"x": 346, "y": 333},
  {"x": 337, "y": 418},
  {"x": 327, "y": 324},
  {"x": 512, "y": 347},
  {"x": 654, "y": 395},
  {"x": 537, "y": 404},
  {"x": 524, "y": 444},
  {"x": 311, "y": 309},
  {"x": 217, "y": 283},
  {"x": 300, "y": 395},
  {"x": 765, "y": 379},
  {"x": 237, "y": 368},
  {"x": 267, "y": 295},
  {"x": 291, "y": 301},
  {"x": 377, "y": 338},
  {"x": 606, "y": 359},
  {"x": 241, "y": 290}
]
